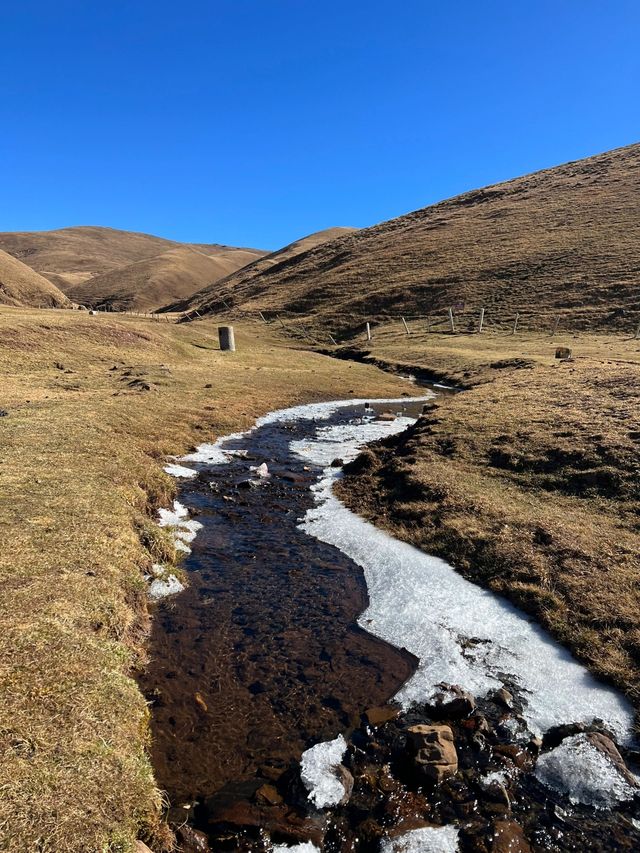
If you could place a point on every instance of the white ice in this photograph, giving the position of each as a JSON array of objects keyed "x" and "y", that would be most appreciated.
[
  {"x": 183, "y": 528},
  {"x": 317, "y": 771},
  {"x": 577, "y": 768},
  {"x": 302, "y": 847},
  {"x": 180, "y": 471},
  {"x": 419, "y": 602},
  {"x": 429, "y": 839},
  {"x": 161, "y": 588},
  {"x": 213, "y": 454}
]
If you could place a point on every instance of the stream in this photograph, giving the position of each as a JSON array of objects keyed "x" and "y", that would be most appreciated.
[{"x": 299, "y": 616}]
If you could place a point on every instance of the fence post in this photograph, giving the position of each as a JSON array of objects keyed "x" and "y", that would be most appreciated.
[
  {"x": 515, "y": 324},
  {"x": 481, "y": 320},
  {"x": 428, "y": 323},
  {"x": 368, "y": 332},
  {"x": 333, "y": 340},
  {"x": 406, "y": 328},
  {"x": 226, "y": 338},
  {"x": 264, "y": 319},
  {"x": 637, "y": 334},
  {"x": 555, "y": 326},
  {"x": 453, "y": 328}
]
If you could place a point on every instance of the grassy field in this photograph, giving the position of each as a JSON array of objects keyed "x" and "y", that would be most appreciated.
[
  {"x": 90, "y": 408},
  {"x": 527, "y": 482}
]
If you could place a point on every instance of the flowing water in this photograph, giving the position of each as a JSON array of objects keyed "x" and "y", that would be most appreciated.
[{"x": 275, "y": 645}]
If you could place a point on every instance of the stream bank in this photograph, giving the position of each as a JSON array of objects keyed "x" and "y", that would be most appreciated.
[{"x": 262, "y": 656}]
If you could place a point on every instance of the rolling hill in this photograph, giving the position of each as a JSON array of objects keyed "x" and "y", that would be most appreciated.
[
  {"x": 236, "y": 284},
  {"x": 72, "y": 257},
  {"x": 20, "y": 285},
  {"x": 564, "y": 240},
  {"x": 151, "y": 283}
]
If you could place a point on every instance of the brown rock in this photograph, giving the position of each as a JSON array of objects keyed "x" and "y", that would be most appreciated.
[
  {"x": 346, "y": 778},
  {"x": 515, "y": 753},
  {"x": 381, "y": 715},
  {"x": 563, "y": 352},
  {"x": 386, "y": 416},
  {"x": 434, "y": 751},
  {"x": 503, "y": 697},
  {"x": 192, "y": 841},
  {"x": 268, "y": 795},
  {"x": 508, "y": 837},
  {"x": 605, "y": 745},
  {"x": 455, "y": 703}
]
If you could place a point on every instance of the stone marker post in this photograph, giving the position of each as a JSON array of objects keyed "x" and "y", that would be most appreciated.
[{"x": 226, "y": 338}]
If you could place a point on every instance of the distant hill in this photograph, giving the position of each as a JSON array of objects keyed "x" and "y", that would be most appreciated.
[
  {"x": 151, "y": 283},
  {"x": 563, "y": 240},
  {"x": 235, "y": 285},
  {"x": 20, "y": 285},
  {"x": 71, "y": 257}
]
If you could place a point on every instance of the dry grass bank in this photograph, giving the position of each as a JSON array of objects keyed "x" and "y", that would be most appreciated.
[
  {"x": 92, "y": 405},
  {"x": 527, "y": 482}
]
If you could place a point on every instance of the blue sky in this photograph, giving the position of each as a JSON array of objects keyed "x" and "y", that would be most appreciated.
[{"x": 253, "y": 122}]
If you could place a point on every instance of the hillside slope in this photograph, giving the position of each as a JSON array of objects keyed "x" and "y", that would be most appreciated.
[
  {"x": 70, "y": 256},
  {"x": 241, "y": 284},
  {"x": 151, "y": 283},
  {"x": 565, "y": 239},
  {"x": 20, "y": 285}
]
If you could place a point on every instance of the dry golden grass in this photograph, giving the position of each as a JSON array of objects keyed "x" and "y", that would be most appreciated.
[
  {"x": 527, "y": 483},
  {"x": 81, "y": 452},
  {"x": 19, "y": 285},
  {"x": 564, "y": 240}
]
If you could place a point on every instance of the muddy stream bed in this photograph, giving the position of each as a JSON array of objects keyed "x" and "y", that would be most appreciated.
[{"x": 276, "y": 645}]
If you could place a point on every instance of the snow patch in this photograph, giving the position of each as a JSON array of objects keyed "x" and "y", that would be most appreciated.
[
  {"x": 302, "y": 847},
  {"x": 580, "y": 770},
  {"x": 318, "y": 775},
  {"x": 429, "y": 839},
  {"x": 183, "y": 528},
  {"x": 213, "y": 454}
]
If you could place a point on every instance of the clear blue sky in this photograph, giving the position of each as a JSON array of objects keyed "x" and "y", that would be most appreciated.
[{"x": 253, "y": 122}]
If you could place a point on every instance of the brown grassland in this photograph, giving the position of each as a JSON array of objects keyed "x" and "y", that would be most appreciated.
[
  {"x": 527, "y": 482},
  {"x": 93, "y": 406}
]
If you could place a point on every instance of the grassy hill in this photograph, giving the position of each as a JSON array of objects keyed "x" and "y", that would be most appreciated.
[
  {"x": 70, "y": 257},
  {"x": 565, "y": 240},
  {"x": 20, "y": 285},
  {"x": 149, "y": 284},
  {"x": 242, "y": 284}
]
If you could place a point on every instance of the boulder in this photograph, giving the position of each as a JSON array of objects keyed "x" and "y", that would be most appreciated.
[
  {"x": 508, "y": 837},
  {"x": 433, "y": 751},
  {"x": 605, "y": 744},
  {"x": 386, "y": 416},
  {"x": 192, "y": 841},
  {"x": 563, "y": 352},
  {"x": 453, "y": 703},
  {"x": 380, "y": 715}
]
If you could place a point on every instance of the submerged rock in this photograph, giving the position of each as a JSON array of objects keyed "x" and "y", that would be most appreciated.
[{"x": 433, "y": 751}]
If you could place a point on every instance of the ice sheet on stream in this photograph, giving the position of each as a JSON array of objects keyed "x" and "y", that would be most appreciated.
[
  {"x": 429, "y": 839},
  {"x": 180, "y": 471},
  {"x": 461, "y": 633},
  {"x": 583, "y": 772},
  {"x": 317, "y": 771}
]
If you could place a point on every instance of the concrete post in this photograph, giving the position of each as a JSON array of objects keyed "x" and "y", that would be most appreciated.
[{"x": 226, "y": 338}]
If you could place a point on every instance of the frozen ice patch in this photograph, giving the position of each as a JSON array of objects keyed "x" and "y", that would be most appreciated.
[
  {"x": 161, "y": 588},
  {"x": 584, "y": 773},
  {"x": 183, "y": 528},
  {"x": 213, "y": 454},
  {"x": 180, "y": 471},
  {"x": 302, "y": 847},
  {"x": 429, "y": 839},
  {"x": 318, "y": 766},
  {"x": 461, "y": 633}
]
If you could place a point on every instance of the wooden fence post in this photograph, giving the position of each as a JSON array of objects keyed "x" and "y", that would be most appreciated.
[
  {"x": 333, "y": 340},
  {"x": 428, "y": 323},
  {"x": 264, "y": 319},
  {"x": 368, "y": 332},
  {"x": 481, "y": 320},
  {"x": 555, "y": 326},
  {"x": 453, "y": 328},
  {"x": 406, "y": 328},
  {"x": 515, "y": 324},
  {"x": 637, "y": 334}
]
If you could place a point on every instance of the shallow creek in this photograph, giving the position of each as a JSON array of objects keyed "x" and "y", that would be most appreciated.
[{"x": 298, "y": 616}]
